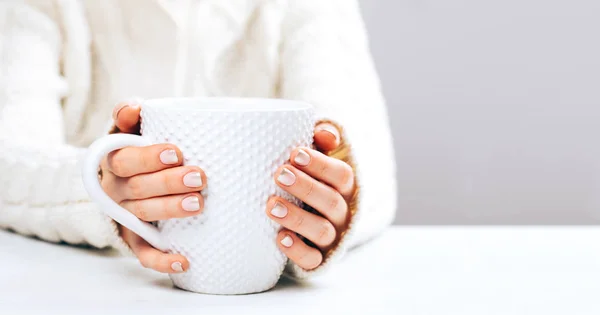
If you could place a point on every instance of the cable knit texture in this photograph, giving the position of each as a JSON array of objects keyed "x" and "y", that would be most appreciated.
[{"x": 65, "y": 63}]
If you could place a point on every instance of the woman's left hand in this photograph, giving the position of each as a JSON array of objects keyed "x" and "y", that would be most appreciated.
[{"x": 321, "y": 182}]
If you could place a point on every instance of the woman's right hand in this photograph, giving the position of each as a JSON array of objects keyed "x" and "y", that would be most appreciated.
[{"x": 151, "y": 183}]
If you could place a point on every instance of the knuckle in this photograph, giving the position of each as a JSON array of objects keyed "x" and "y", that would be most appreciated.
[
  {"x": 298, "y": 222},
  {"x": 310, "y": 186},
  {"x": 323, "y": 169},
  {"x": 327, "y": 233},
  {"x": 140, "y": 211},
  {"x": 117, "y": 164},
  {"x": 134, "y": 186},
  {"x": 337, "y": 204},
  {"x": 113, "y": 186}
]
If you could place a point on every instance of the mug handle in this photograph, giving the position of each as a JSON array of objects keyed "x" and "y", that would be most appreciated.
[{"x": 95, "y": 153}]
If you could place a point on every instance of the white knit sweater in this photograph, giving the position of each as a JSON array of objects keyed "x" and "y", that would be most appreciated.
[{"x": 65, "y": 63}]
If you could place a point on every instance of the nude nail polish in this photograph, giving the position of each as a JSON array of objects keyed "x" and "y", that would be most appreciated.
[
  {"x": 193, "y": 180},
  {"x": 287, "y": 241},
  {"x": 302, "y": 158},
  {"x": 177, "y": 267},
  {"x": 117, "y": 109},
  {"x": 328, "y": 128},
  {"x": 279, "y": 210},
  {"x": 191, "y": 203},
  {"x": 169, "y": 157},
  {"x": 134, "y": 103},
  {"x": 286, "y": 177}
]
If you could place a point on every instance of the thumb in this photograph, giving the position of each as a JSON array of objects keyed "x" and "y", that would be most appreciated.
[
  {"x": 327, "y": 137},
  {"x": 127, "y": 116}
]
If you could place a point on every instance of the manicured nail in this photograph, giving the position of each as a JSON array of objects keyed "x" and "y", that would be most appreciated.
[
  {"x": 286, "y": 177},
  {"x": 287, "y": 241},
  {"x": 192, "y": 180},
  {"x": 302, "y": 158},
  {"x": 177, "y": 267},
  {"x": 191, "y": 203},
  {"x": 133, "y": 103},
  {"x": 169, "y": 157},
  {"x": 117, "y": 109},
  {"x": 279, "y": 211},
  {"x": 329, "y": 128}
]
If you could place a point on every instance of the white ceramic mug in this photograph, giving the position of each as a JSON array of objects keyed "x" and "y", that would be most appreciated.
[{"x": 239, "y": 143}]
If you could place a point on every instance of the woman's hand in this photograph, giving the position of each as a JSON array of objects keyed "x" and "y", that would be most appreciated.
[
  {"x": 321, "y": 182},
  {"x": 152, "y": 184}
]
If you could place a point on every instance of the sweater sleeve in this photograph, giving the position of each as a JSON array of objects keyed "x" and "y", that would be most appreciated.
[
  {"x": 41, "y": 193},
  {"x": 326, "y": 61}
]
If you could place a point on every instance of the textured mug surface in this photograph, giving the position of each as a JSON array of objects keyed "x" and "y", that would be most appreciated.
[{"x": 239, "y": 143}]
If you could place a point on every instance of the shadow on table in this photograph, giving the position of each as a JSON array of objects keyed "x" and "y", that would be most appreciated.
[
  {"x": 98, "y": 252},
  {"x": 283, "y": 284},
  {"x": 286, "y": 283},
  {"x": 164, "y": 284}
]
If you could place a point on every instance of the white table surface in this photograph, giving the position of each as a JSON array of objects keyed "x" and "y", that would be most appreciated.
[{"x": 409, "y": 270}]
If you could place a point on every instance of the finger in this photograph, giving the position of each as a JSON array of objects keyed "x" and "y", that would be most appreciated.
[
  {"x": 152, "y": 258},
  {"x": 327, "y": 137},
  {"x": 167, "y": 207},
  {"x": 323, "y": 198},
  {"x": 295, "y": 249},
  {"x": 132, "y": 161},
  {"x": 315, "y": 228},
  {"x": 127, "y": 116},
  {"x": 334, "y": 172},
  {"x": 178, "y": 180}
]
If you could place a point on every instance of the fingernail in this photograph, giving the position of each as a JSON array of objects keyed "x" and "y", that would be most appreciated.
[
  {"x": 302, "y": 158},
  {"x": 192, "y": 180},
  {"x": 287, "y": 241},
  {"x": 286, "y": 177},
  {"x": 329, "y": 128},
  {"x": 133, "y": 103},
  {"x": 191, "y": 203},
  {"x": 117, "y": 109},
  {"x": 176, "y": 266},
  {"x": 169, "y": 157},
  {"x": 279, "y": 211}
]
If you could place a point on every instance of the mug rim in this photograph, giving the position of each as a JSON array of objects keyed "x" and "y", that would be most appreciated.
[{"x": 226, "y": 104}]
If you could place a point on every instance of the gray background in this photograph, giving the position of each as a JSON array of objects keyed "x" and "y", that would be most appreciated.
[{"x": 494, "y": 107}]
